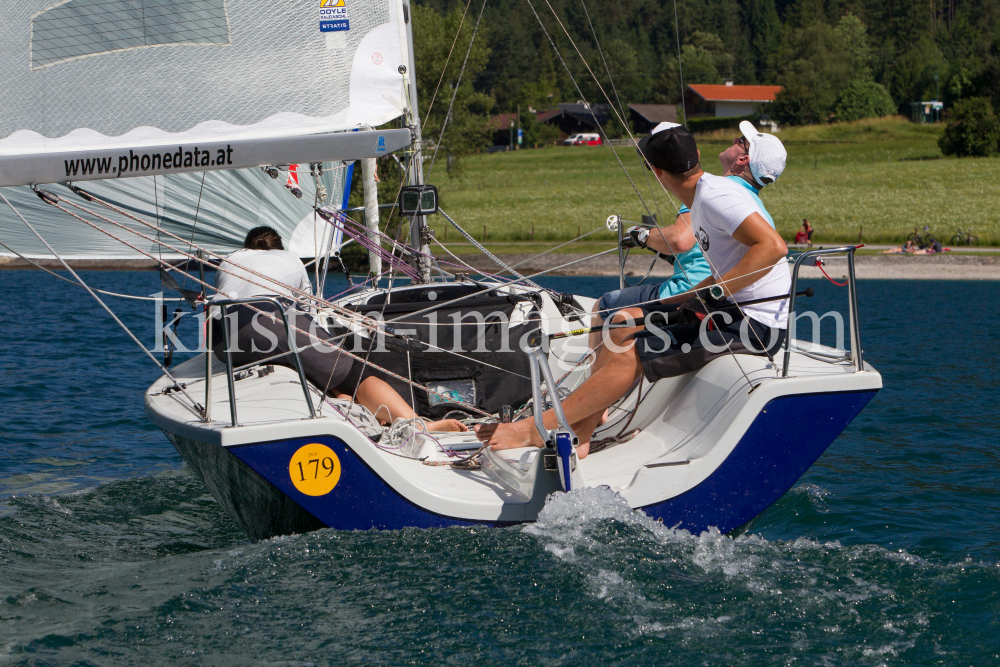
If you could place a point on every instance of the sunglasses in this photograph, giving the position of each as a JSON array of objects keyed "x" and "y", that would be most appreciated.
[{"x": 742, "y": 141}]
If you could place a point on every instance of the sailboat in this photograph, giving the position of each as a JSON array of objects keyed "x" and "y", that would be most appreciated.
[{"x": 164, "y": 131}]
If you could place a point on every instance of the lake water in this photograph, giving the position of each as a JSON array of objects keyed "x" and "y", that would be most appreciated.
[{"x": 886, "y": 552}]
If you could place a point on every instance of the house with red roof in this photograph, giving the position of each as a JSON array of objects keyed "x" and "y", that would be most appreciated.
[{"x": 704, "y": 100}]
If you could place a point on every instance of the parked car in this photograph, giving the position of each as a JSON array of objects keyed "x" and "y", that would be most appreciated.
[{"x": 583, "y": 139}]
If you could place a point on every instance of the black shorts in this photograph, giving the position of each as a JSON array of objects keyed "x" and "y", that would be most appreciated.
[
  {"x": 675, "y": 350},
  {"x": 325, "y": 366}
]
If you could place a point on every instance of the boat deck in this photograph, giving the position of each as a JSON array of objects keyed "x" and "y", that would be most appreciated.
[{"x": 687, "y": 426}]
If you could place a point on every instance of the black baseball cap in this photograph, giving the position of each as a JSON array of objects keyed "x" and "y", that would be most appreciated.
[{"x": 670, "y": 147}]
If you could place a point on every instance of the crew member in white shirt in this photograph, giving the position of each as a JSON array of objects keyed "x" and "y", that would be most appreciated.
[
  {"x": 748, "y": 259},
  {"x": 258, "y": 336}
]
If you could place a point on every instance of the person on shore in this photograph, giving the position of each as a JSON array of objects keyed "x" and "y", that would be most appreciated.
[
  {"x": 805, "y": 234},
  {"x": 258, "y": 336},
  {"x": 907, "y": 248},
  {"x": 749, "y": 261},
  {"x": 911, "y": 248},
  {"x": 690, "y": 266}
]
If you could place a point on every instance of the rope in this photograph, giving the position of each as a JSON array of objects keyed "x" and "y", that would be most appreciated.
[
  {"x": 561, "y": 245},
  {"x": 582, "y": 97},
  {"x": 680, "y": 67},
  {"x": 486, "y": 252},
  {"x": 601, "y": 88},
  {"x": 327, "y": 343},
  {"x": 819, "y": 265},
  {"x": 291, "y": 290},
  {"x": 621, "y": 106}
]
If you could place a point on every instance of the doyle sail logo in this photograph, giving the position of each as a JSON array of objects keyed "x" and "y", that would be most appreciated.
[
  {"x": 333, "y": 16},
  {"x": 380, "y": 148}
]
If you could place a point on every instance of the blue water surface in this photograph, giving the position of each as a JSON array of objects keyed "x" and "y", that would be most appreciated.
[{"x": 886, "y": 552}]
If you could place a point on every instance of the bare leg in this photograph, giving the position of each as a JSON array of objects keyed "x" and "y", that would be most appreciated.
[
  {"x": 616, "y": 372},
  {"x": 585, "y": 431},
  {"x": 387, "y": 405},
  {"x": 594, "y": 337}
]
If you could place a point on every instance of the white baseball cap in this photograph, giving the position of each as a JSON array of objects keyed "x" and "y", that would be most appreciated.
[{"x": 767, "y": 154}]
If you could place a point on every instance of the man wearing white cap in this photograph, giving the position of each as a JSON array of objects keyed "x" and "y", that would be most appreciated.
[
  {"x": 677, "y": 240},
  {"x": 747, "y": 258}
]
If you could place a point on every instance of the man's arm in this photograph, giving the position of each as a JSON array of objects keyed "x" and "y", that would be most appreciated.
[
  {"x": 766, "y": 248},
  {"x": 673, "y": 239}
]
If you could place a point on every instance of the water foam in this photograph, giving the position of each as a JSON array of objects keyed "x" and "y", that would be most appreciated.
[{"x": 669, "y": 583}]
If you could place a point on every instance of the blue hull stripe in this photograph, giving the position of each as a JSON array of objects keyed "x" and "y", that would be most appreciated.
[{"x": 785, "y": 439}]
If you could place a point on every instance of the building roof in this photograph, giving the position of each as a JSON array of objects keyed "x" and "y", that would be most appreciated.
[
  {"x": 502, "y": 122},
  {"x": 593, "y": 115},
  {"x": 656, "y": 113},
  {"x": 730, "y": 93},
  {"x": 546, "y": 115}
]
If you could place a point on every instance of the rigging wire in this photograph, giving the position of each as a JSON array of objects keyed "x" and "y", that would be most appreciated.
[
  {"x": 486, "y": 252},
  {"x": 197, "y": 210},
  {"x": 614, "y": 88},
  {"x": 458, "y": 84},
  {"x": 447, "y": 60},
  {"x": 601, "y": 88},
  {"x": 203, "y": 260},
  {"x": 194, "y": 405},
  {"x": 351, "y": 315},
  {"x": 583, "y": 97},
  {"x": 680, "y": 66},
  {"x": 325, "y": 342},
  {"x": 71, "y": 282},
  {"x": 561, "y": 245}
]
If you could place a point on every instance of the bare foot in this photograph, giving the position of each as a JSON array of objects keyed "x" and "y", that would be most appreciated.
[
  {"x": 450, "y": 425},
  {"x": 507, "y": 436},
  {"x": 582, "y": 450}
]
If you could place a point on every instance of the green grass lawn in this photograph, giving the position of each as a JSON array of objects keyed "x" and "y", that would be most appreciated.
[{"x": 886, "y": 176}]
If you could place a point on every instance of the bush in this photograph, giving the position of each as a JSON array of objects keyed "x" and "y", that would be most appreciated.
[
  {"x": 864, "y": 99},
  {"x": 973, "y": 129},
  {"x": 791, "y": 107}
]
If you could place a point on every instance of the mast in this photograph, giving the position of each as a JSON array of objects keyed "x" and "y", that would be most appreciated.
[{"x": 416, "y": 172}]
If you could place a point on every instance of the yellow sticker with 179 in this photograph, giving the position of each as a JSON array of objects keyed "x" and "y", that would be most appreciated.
[{"x": 314, "y": 469}]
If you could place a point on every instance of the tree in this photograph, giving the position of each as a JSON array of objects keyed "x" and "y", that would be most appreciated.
[
  {"x": 761, "y": 18},
  {"x": 814, "y": 67},
  {"x": 705, "y": 60},
  {"x": 863, "y": 98},
  {"x": 535, "y": 132},
  {"x": 433, "y": 34},
  {"x": 973, "y": 129},
  {"x": 854, "y": 38}
]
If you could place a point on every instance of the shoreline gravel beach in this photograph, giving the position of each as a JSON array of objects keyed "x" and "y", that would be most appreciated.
[{"x": 869, "y": 267}]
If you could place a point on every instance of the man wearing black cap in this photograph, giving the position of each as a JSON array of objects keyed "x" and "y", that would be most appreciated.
[{"x": 747, "y": 258}]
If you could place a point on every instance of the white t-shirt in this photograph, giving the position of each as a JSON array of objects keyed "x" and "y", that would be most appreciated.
[
  {"x": 282, "y": 266},
  {"x": 720, "y": 206}
]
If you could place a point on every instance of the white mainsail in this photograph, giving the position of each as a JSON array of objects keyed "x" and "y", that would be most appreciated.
[{"x": 113, "y": 77}]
